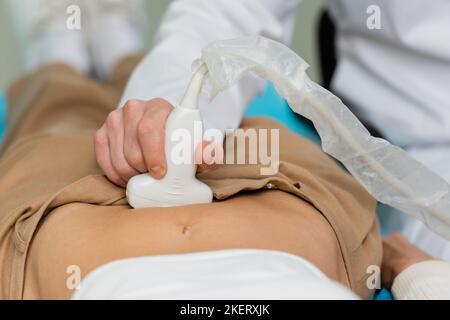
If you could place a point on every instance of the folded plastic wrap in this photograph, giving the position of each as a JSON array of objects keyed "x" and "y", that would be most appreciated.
[{"x": 387, "y": 172}]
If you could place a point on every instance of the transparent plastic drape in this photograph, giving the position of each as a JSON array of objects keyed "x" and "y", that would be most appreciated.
[{"x": 386, "y": 171}]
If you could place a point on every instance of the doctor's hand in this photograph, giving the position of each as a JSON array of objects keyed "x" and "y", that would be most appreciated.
[
  {"x": 398, "y": 255},
  {"x": 131, "y": 141}
]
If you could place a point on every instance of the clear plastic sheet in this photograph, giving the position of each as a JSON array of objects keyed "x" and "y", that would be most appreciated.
[{"x": 387, "y": 172}]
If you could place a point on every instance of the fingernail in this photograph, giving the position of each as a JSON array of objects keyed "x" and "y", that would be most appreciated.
[{"x": 157, "y": 171}]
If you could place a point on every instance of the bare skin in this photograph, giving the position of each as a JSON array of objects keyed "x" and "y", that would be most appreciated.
[
  {"x": 131, "y": 141},
  {"x": 398, "y": 255},
  {"x": 89, "y": 236}
]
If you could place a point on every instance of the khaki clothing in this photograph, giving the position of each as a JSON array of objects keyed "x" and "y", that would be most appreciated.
[{"x": 48, "y": 161}]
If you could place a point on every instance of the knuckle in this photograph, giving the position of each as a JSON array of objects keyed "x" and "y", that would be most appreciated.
[
  {"x": 145, "y": 126},
  {"x": 100, "y": 138},
  {"x": 113, "y": 119},
  {"x": 161, "y": 105},
  {"x": 131, "y": 106},
  {"x": 162, "y": 113},
  {"x": 159, "y": 101}
]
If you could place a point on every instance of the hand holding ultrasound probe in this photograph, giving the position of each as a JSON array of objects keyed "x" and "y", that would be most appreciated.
[
  {"x": 135, "y": 145},
  {"x": 343, "y": 136}
]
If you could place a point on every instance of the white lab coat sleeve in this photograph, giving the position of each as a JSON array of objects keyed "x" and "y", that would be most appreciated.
[
  {"x": 429, "y": 280},
  {"x": 186, "y": 28}
]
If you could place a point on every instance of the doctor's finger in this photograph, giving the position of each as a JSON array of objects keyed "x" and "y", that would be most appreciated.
[
  {"x": 102, "y": 154},
  {"x": 151, "y": 137},
  {"x": 115, "y": 130},
  {"x": 133, "y": 111}
]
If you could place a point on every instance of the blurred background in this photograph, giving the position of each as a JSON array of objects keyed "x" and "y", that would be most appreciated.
[{"x": 304, "y": 38}]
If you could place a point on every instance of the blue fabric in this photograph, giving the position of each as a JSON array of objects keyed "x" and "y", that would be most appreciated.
[
  {"x": 383, "y": 294},
  {"x": 271, "y": 105},
  {"x": 2, "y": 116}
]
